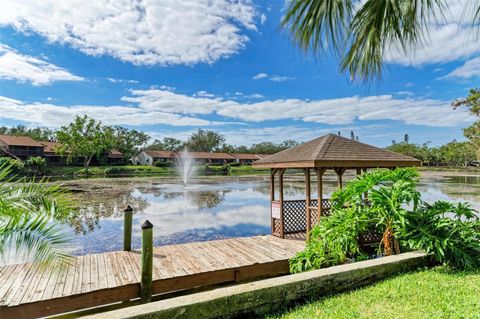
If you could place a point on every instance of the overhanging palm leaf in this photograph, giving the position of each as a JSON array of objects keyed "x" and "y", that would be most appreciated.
[
  {"x": 29, "y": 213},
  {"x": 360, "y": 32}
]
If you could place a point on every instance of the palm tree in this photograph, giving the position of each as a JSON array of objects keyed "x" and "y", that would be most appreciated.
[
  {"x": 360, "y": 32},
  {"x": 29, "y": 215}
]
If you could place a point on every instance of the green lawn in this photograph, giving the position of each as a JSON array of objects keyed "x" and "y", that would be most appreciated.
[
  {"x": 433, "y": 293},
  {"x": 130, "y": 170}
]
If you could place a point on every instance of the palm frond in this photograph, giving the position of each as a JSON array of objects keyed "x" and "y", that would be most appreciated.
[
  {"x": 318, "y": 25},
  {"x": 29, "y": 214},
  {"x": 361, "y": 32}
]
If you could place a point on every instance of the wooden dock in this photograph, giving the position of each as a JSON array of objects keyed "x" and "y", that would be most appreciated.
[{"x": 27, "y": 291}]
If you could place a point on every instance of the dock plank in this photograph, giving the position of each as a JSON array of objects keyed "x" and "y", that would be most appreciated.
[{"x": 27, "y": 291}]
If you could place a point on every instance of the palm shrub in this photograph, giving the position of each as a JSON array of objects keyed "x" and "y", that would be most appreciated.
[
  {"x": 388, "y": 203},
  {"x": 29, "y": 215},
  {"x": 448, "y": 231}
]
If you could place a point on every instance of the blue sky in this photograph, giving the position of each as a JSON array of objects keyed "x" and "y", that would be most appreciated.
[{"x": 171, "y": 67}]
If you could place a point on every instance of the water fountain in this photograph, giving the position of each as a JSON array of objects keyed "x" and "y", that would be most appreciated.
[{"x": 185, "y": 166}]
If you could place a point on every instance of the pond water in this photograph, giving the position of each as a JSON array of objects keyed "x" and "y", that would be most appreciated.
[{"x": 207, "y": 209}]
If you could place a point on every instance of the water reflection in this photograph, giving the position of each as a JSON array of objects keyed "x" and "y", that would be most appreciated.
[{"x": 206, "y": 210}]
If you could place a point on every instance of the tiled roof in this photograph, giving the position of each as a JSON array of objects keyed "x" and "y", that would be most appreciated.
[
  {"x": 252, "y": 157},
  {"x": 115, "y": 154},
  {"x": 19, "y": 141},
  {"x": 160, "y": 154},
  {"x": 49, "y": 147},
  {"x": 336, "y": 151},
  {"x": 208, "y": 155}
]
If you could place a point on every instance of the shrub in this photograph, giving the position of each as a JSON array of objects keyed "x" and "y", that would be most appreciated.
[
  {"x": 235, "y": 164},
  {"x": 36, "y": 164},
  {"x": 450, "y": 232},
  {"x": 163, "y": 164}
]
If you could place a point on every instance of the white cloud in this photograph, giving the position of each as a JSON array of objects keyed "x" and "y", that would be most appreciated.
[
  {"x": 26, "y": 68},
  {"x": 142, "y": 32},
  {"x": 203, "y": 94},
  {"x": 260, "y": 76},
  {"x": 275, "y": 78},
  {"x": 156, "y": 106},
  {"x": 469, "y": 69},
  {"x": 450, "y": 39},
  {"x": 122, "y": 81},
  {"x": 46, "y": 114},
  {"x": 263, "y": 18}
]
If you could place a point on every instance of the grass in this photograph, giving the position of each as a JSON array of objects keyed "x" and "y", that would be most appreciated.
[
  {"x": 129, "y": 170},
  {"x": 430, "y": 293}
]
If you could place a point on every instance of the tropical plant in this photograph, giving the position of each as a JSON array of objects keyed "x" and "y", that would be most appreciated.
[
  {"x": 451, "y": 232},
  {"x": 387, "y": 202},
  {"x": 385, "y": 195},
  {"x": 29, "y": 213},
  {"x": 361, "y": 33}
]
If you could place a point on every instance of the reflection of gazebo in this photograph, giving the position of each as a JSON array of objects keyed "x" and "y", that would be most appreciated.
[{"x": 290, "y": 217}]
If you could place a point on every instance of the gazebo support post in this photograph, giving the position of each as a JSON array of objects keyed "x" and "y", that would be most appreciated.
[
  {"x": 280, "y": 199},
  {"x": 273, "y": 171},
  {"x": 339, "y": 171},
  {"x": 308, "y": 199},
  {"x": 359, "y": 171},
  {"x": 319, "y": 172}
]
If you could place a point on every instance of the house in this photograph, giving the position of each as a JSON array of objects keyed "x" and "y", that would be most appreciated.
[
  {"x": 212, "y": 158},
  {"x": 20, "y": 147},
  {"x": 245, "y": 158},
  {"x": 50, "y": 154},
  {"x": 115, "y": 157},
  {"x": 149, "y": 157}
]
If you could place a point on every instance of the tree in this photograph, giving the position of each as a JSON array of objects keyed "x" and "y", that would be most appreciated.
[
  {"x": 408, "y": 149},
  {"x": 406, "y": 138},
  {"x": 289, "y": 144},
  {"x": 204, "y": 141},
  {"x": 29, "y": 214},
  {"x": 360, "y": 32},
  {"x": 128, "y": 142},
  {"x": 458, "y": 153},
  {"x": 167, "y": 144},
  {"x": 84, "y": 138},
  {"x": 352, "y": 136}
]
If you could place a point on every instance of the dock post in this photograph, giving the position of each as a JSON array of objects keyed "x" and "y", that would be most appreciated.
[
  {"x": 147, "y": 262},
  {"x": 127, "y": 228}
]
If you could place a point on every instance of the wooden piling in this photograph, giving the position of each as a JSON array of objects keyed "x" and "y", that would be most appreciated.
[
  {"x": 147, "y": 262},
  {"x": 127, "y": 228}
]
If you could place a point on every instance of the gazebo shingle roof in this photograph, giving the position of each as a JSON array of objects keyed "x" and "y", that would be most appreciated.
[{"x": 335, "y": 151}]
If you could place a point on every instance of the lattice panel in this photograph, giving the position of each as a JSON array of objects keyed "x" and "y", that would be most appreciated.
[
  {"x": 277, "y": 227},
  {"x": 369, "y": 238},
  {"x": 295, "y": 216}
]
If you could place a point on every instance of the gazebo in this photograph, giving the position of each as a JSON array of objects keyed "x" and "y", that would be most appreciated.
[{"x": 294, "y": 218}]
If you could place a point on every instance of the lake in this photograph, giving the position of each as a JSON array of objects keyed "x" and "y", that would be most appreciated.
[{"x": 210, "y": 208}]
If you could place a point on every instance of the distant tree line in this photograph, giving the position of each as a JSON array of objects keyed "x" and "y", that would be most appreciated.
[
  {"x": 453, "y": 153},
  {"x": 37, "y": 133},
  {"x": 211, "y": 141}
]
